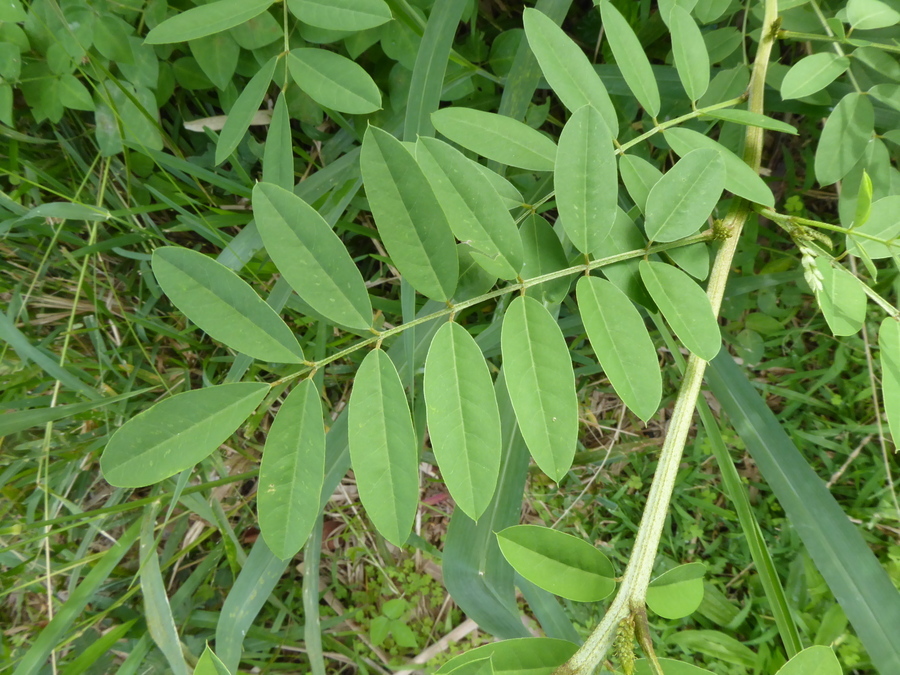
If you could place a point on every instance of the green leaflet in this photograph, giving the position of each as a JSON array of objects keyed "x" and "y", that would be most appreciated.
[
  {"x": 739, "y": 177},
  {"x": 311, "y": 257},
  {"x": 177, "y": 432},
  {"x": 750, "y": 119},
  {"x": 292, "y": 472},
  {"x": 639, "y": 177},
  {"x": 258, "y": 32},
  {"x": 689, "y": 50},
  {"x": 677, "y": 593},
  {"x": 334, "y": 81},
  {"x": 682, "y": 200},
  {"x": 409, "y": 217},
  {"x": 475, "y": 212},
  {"x": 210, "y": 664},
  {"x": 871, "y": 14},
  {"x": 567, "y": 69},
  {"x": 224, "y": 305},
  {"x": 817, "y": 659},
  {"x": 813, "y": 73},
  {"x": 383, "y": 447},
  {"x": 841, "y": 299},
  {"x": 463, "y": 418},
  {"x": 497, "y": 137},
  {"x": 685, "y": 306},
  {"x": 631, "y": 58},
  {"x": 521, "y": 656},
  {"x": 847, "y": 131},
  {"x": 889, "y": 347},
  {"x": 206, "y": 20},
  {"x": 558, "y": 562},
  {"x": 625, "y": 236},
  {"x": 244, "y": 109},
  {"x": 622, "y": 344},
  {"x": 693, "y": 259},
  {"x": 509, "y": 193},
  {"x": 670, "y": 667},
  {"x": 217, "y": 56},
  {"x": 341, "y": 15},
  {"x": 278, "y": 155},
  {"x": 541, "y": 384},
  {"x": 543, "y": 254},
  {"x": 884, "y": 223},
  {"x": 586, "y": 180},
  {"x": 68, "y": 211}
]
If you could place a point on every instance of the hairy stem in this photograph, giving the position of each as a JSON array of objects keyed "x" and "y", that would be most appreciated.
[{"x": 630, "y": 598}]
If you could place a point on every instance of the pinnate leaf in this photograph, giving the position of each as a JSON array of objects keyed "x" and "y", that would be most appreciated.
[
  {"x": 334, "y": 81},
  {"x": 206, "y": 20},
  {"x": 177, "y": 432}
]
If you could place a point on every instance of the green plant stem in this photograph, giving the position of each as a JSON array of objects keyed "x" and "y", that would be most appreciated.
[
  {"x": 816, "y": 37},
  {"x": 630, "y": 600}
]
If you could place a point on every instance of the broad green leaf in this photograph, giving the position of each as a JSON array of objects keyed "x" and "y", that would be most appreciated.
[
  {"x": 210, "y": 664},
  {"x": 218, "y": 57},
  {"x": 693, "y": 259},
  {"x": 73, "y": 94},
  {"x": 409, "y": 218},
  {"x": 508, "y": 192},
  {"x": 739, "y": 177},
  {"x": 224, "y": 305},
  {"x": 474, "y": 211},
  {"x": 624, "y": 237},
  {"x": 543, "y": 254},
  {"x": 567, "y": 69},
  {"x": 343, "y": 15},
  {"x": 292, "y": 472},
  {"x": 383, "y": 447},
  {"x": 847, "y": 132},
  {"x": 870, "y": 15},
  {"x": 669, "y": 667},
  {"x": 639, "y": 177},
  {"x": 244, "y": 109},
  {"x": 521, "y": 656},
  {"x": 541, "y": 384},
  {"x": 68, "y": 211},
  {"x": 813, "y": 73},
  {"x": 312, "y": 258},
  {"x": 479, "y": 667},
  {"x": 689, "y": 50},
  {"x": 204, "y": 20},
  {"x": 497, "y": 137},
  {"x": 750, "y": 119},
  {"x": 889, "y": 347},
  {"x": 560, "y": 563},
  {"x": 842, "y": 298},
  {"x": 586, "y": 180},
  {"x": 622, "y": 344},
  {"x": 257, "y": 32},
  {"x": 463, "y": 418},
  {"x": 683, "y": 199},
  {"x": 685, "y": 306},
  {"x": 863, "y": 201},
  {"x": 883, "y": 223},
  {"x": 278, "y": 154},
  {"x": 110, "y": 37},
  {"x": 631, "y": 58},
  {"x": 334, "y": 81},
  {"x": 177, "y": 432},
  {"x": 817, "y": 659},
  {"x": 677, "y": 593},
  {"x": 474, "y": 280}
]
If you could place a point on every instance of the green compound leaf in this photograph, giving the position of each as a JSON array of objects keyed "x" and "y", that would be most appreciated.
[
  {"x": 739, "y": 177},
  {"x": 883, "y": 223},
  {"x": 496, "y": 137},
  {"x": 558, "y": 562},
  {"x": 541, "y": 384},
  {"x": 817, "y": 659},
  {"x": 841, "y": 298},
  {"x": 631, "y": 58},
  {"x": 685, "y": 306},
  {"x": 567, "y": 69},
  {"x": 311, "y": 257},
  {"x": 639, "y": 177},
  {"x": 683, "y": 199},
  {"x": 292, "y": 472},
  {"x": 689, "y": 50},
  {"x": 334, "y": 81},
  {"x": 520, "y": 656},
  {"x": 677, "y": 593},
  {"x": 622, "y": 344},
  {"x": 847, "y": 132},
  {"x": 476, "y": 213},
  {"x": 206, "y": 20},
  {"x": 383, "y": 447},
  {"x": 409, "y": 216},
  {"x": 178, "y": 432},
  {"x": 224, "y": 305},
  {"x": 586, "y": 179},
  {"x": 341, "y": 15},
  {"x": 889, "y": 347},
  {"x": 871, "y": 14},
  {"x": 813, "y": 73},
  {"x": 245, "y": 108},
  {"x": 463, "y": 418}
]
